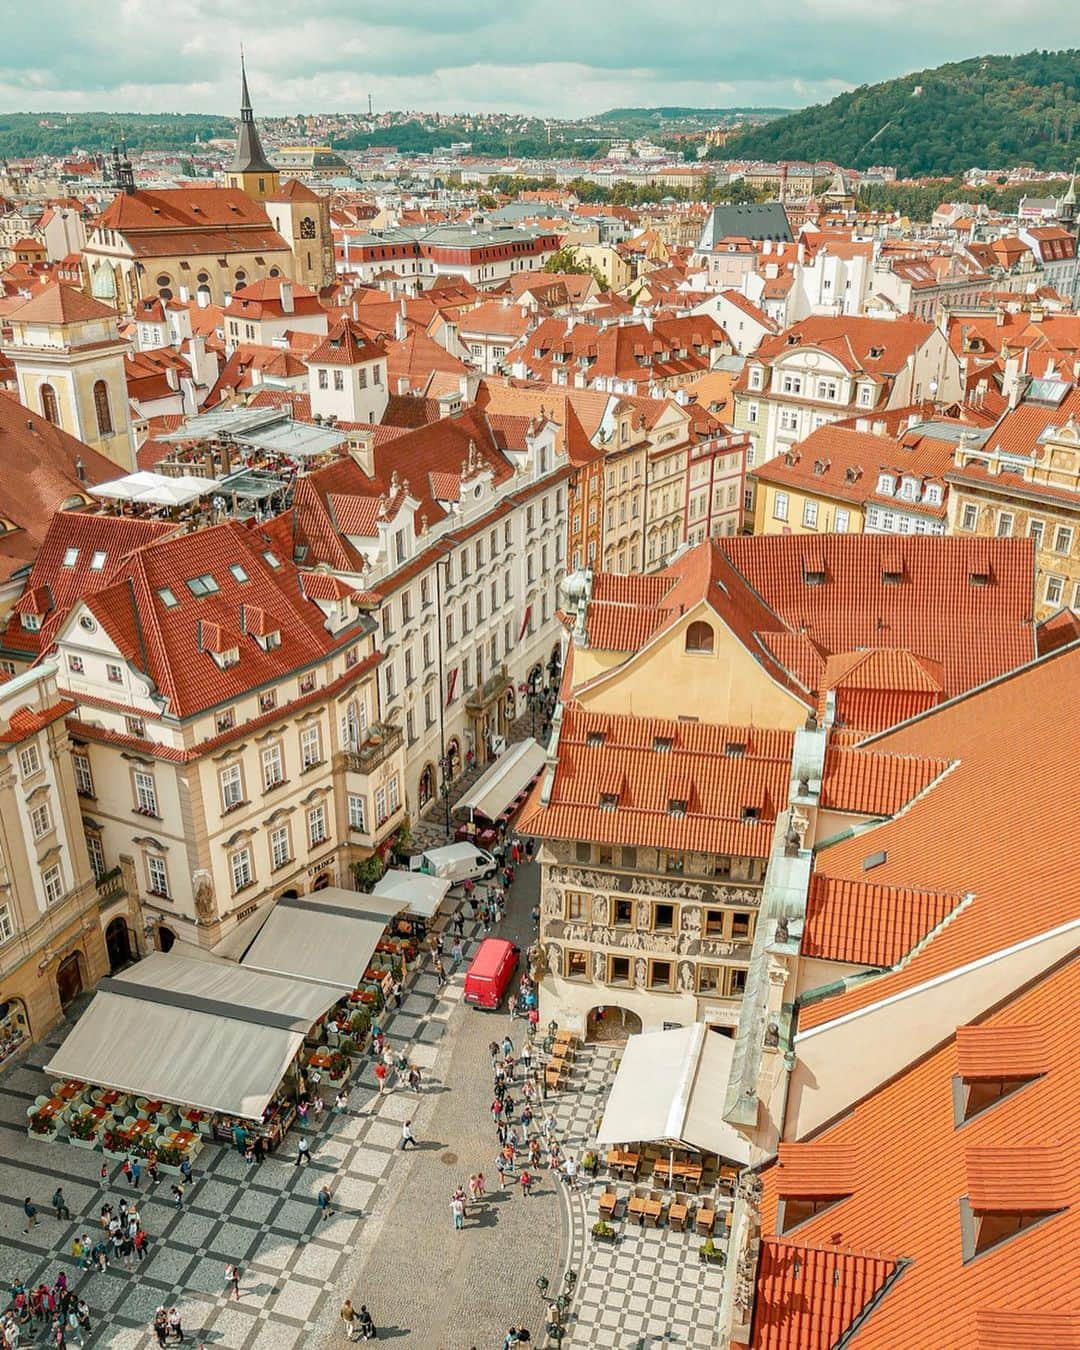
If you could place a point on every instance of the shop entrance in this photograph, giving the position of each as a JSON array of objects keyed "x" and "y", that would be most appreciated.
[{"x": 69, "y": 979}]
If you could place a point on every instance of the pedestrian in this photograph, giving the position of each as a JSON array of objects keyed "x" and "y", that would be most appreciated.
[
  {"x": 496, "y": 1109},
  {"x": 176, "y": 1326},
  {"x": 440, "y": 970},
  {"x": 474, "y": 1195},
  {"x": 511, "y": 1337},
  {"x": 457, "y": 1209},
  {"x": 396, "y": 993},
  {"x": 239, "y": 1135},
  {"x": 507, "y": 1048},
  {"x": 526, "y": 1181},
  {"x": 152, "y": 1167},
  {"x": 481, "y": 1185},
  {"x": 59, "y": 1204},
  {"x": 348, "y": 1317},
  {"x": 232, "y": 1280},
  {"x": 570, "y": 1171},
  {"x": 526, "y": 1056},
  {"x": 341, "y": 1102},
  {"x": 101, "y": 1256},
  {"x": 260, "y": 1150},
  {"x": 30, "y": 1210},
  {"x": 77, "y": 1254},
  {"x": 407, "y": 1136},
  {"x": 135, "y": 1172},
  {"x": 381, "y": 1072},
  {"x": 141, "y": 1241},
  {"x": 324, "y": 1201},
  {"x": 414, "y": 1078},
  {"x": 459, "y": 925},
  {"x": 177, "y": 1192},
  {"x": 529, "y": 849},
  {"x": 457, "y": 951},
  {"x": 125, "y": 1169},
  {"x": 185, "y": 1170},
  {"x": 500, "y": 1167},
  {"x": 104, "y": 1172},
  {"x": 367, "y": 1326},
  {"x": 82, "y": 1310},
  {"x": 161, "y": 1326},
  {"x": 303, "y": 1153}
]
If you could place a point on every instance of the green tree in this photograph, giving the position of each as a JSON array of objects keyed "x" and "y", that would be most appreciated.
[{"x": 566, "y": 260}]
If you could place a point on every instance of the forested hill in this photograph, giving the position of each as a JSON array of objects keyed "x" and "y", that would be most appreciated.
[{"x": 988, "y": 112}]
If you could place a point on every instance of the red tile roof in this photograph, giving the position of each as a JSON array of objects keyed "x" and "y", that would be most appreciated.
[
  {"x": 910, "y": 1165},
  {"x": 879, "y": 688},
  {"x": 876, "y": 784},
  {"x": 810, "y": 1298},
  {"x": 850, "y": 340},
  {"x": 61, "y": 304},
  {"x": 865, "y": 924},
  {"x": 345, "y": 345}
]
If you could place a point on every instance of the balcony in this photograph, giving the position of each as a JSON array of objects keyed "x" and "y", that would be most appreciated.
[
  {"x": 483, "y": 696},
  {"x": 383, "y": 740}
]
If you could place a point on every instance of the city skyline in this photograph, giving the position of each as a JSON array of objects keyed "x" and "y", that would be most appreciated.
[{"x": 462, "y": 59}]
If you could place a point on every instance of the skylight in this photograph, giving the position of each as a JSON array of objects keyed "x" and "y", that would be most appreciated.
[
  {"x": 97, "y": 562},
  {"x": 272, "y": 558},
  {"x": 238, "y": 572},
  {"x": 204, "y": 585},
  {"x": 71, "y": 557},
  {"x": 167, "y": 598}
]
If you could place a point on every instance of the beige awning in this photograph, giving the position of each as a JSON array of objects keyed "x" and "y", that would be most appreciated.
[
  {"x": 670, "y": 1089},
  {"x": 416, "y": 892},
  {"x": 200, "y": 1033},
  {"x": 328, "y": 936},
  {"x": 505, "y": 780}
]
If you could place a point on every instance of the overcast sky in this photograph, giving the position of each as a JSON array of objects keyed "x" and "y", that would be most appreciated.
[{"x": 564, "y": 57}]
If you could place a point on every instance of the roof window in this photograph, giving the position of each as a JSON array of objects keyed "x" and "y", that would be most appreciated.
[
  {"x": 71, "y": 557},
  {"x": 979, "y": 578},
  {"x": 167, "y": 598},
  {"x": 735, "y": 749},
  {"x": 751, "y": 813},
  {"x": 97, "y": 562},
  {"x": 272, "y": 558},
  {"x": 662, "y": 744},
  {"x": 874, "y": 860},
  {"x": 204, "y": 585},
  {"x": 595, "y": 739},
  {"x": 238, "y": 572},
  {"x": 609, "y": 801},
  {"x": 676, "y": 807}
]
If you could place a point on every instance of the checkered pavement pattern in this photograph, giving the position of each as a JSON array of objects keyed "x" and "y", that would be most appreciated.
[
  {"x": 649, "y": 1287},
  {"x": 264, "y": 1218}
]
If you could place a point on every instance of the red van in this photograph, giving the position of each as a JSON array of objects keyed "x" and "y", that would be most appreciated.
[{"x": 490, "y": 973}]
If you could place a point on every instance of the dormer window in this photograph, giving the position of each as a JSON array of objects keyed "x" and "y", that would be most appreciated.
[
  {"x": 31, "y": 623},
  {"x": 886, "y": 484},
  {"x": 876, "y": 353},
  {"x": 609, "y": 801},
  {"x": 933, "y": 494},
  {"x": 750, "y": 813},
  {"x": 735, "y": 749},
  {"x": 677, "y": 807},
  {"x": 757, "y": 377},
  {"x": 226, "y": 719},
  {"x": 979, "y": 578},
  {"x": 229, "y": 657},
  {"x": 662, "y": 744},
  {"x": 866, "y": 396},
  {"x": 268, "y": 641},
  {"x": 595, "y": 739}
]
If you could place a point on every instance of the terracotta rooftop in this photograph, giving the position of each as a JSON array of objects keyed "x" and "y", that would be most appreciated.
[{"x": 61, "y": 304}]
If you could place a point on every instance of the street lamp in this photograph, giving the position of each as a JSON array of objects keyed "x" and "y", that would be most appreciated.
[
  {"x": 535, "y": 696},
  {"x": 444, "y": 788}
]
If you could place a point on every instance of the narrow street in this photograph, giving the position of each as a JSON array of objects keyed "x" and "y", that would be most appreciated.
[{"x": 424, "y": 1282}]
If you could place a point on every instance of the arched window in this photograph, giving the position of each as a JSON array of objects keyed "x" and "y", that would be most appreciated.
[
  {"x": 699, "y": 637},
  {"x": 307, "y": 228},
  {"x": 102, "y": 409},
  {"x": 49, "y": 407}
]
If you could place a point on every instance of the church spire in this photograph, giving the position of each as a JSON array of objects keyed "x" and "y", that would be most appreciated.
[{"x": 249, "y": 157}]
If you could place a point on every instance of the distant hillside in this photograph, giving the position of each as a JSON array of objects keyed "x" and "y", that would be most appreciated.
[
  {"x": 988, "y": 112},
  {"x": 59, "y": 133},
  {"x": 659, "y": 115}
]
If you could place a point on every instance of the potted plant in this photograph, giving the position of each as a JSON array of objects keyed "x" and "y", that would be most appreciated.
[
  {"x": 116, "y": 1143},
  {"x": 169, "y": 1159},
  {"x": 84, "y": 1130},
  {"x": 602, "y": 1231},
  {"x": 709, "y": 1252},
  {"x": 338, "y": 1066},
  {"x": 43, "y": 1127},
  {"x": 588, "y": 1163}
]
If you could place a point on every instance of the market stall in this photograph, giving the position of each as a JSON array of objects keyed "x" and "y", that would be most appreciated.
[{"x": 491, "y": 802}]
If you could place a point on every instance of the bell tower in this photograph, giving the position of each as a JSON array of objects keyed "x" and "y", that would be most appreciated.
[{"x": 250, "y": 170}]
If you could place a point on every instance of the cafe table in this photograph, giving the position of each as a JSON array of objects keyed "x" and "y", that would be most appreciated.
[
  {"x": 70, "y": 1089},
  {"x": 140, "y": 1128},
  {"x": 620, "y": 1161},
  {"x": 52, "y": 1107},
  {"x": 644, "y": 1207},
  {"x": 182, "y": 1138},
  {"x": 319, "y": 1060}
]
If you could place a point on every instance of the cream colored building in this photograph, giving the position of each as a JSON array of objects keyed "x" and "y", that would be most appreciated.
[
  {"x": 69, "y": 364},
  {"x": 53, "y": 914},
  {"x": 227, "y": 730}
]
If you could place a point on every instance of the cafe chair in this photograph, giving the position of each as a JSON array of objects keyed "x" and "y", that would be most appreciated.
[
  {"x": 680, "y": 1212},
  {"x": 706, "y": 1218},
  {"x": 607, "y": 1204}
]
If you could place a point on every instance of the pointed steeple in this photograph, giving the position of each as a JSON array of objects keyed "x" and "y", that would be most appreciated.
[{"x": 249, "y": 156}]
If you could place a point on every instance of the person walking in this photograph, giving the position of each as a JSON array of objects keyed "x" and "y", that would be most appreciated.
[
  {"x": 135, "y": 1172},
  {"x": 77, "y": 1253},
  {"x": 381, "y": 1072},
  {"x": 260, "y": 1150},
  {"x": 457, "y": 1209},
  {"x": 141, "y": 1241},
  {"x": 151, "y": 1167},
  {"x": 177, "y": 1192},
  {"x": 341, "y": 1104},
  {"x": 232, "y": 1280},
  {"x": 348, "y": 1318},
  {"x": 440, "y": 970},
  {"x": 185, "y": 1171},
  {"x": 481, "y": 1185},
  {"x": 30, "y": 1210},
  {"x": 407, "y": 1136},
  {"x": 526, "y": 1182},
  {"x": 303, "y": 1152},
  {"x": 161, "y": 1326},
  {"x": 59, "y": 1204},
  {"x": 324, "y": 1202},
  {"x": 366, "y": 1325},
  {"x": 507, "y": 1048},
  {"x": 176, "y": 1326},
  {"x": 414, "y": 1078},
  {"x": 82, "y": 1310}
]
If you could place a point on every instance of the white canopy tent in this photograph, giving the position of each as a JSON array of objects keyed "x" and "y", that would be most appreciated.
[
  {"x": 156, "y": 489},
  {"x": 200, "y": 1033},
  {"x": 327, "y": 936},
  {"x": 502, "y": 782},
  {"x": 415, "y": 892},
  {"x": 670, "y": 1090}
]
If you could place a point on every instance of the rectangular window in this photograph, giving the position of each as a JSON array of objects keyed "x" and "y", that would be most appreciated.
[
  {"x": 1004, "y": 525},
  {"x": 357, "y": 813},
  {"x": 339, "y": 381},
  {"x": 618, "y": 970},
  {"x": 710, "y": 979},
  {"x": 114, "y": 673},
  {"x": 157, "y": 878},
  {"x": 809, "y": 515},
  {"x": 1036, "y": 529},
  {"x": 380, "y": 806},
  {"x": 714, "y": 923},
  {"x": 240, "y": 868},
  {"x": 7, "y": 928},
  {"x": 135, "y": 726},
  {"x": 624, "y": 913},
  {"x": 576, "y": 906},
  {"x": 316, "y": 822},
  {"x": 324, "y": 378},
  {"x": 393, "y": 792},
  {"x": 660, "y": 975},
  {"x": 1055, "y": 588},
  {"x": 84, "y": 779},
  {"x": 310, "y": 747},
  {"x": 970, "y": 517},
  {"x": 273, "y": 771},
  {"x": 232, "y": 788},
  {"x": 780, "y": 506},
  {"x": 742, "y": 925},
  {"x": 280, "y": 852},
  {"x": 96, "y": 854},
  {"x": 1063, "y": 538},
  {"x": 75, "y": 665},
  {"x": 663, "y": 918},
  {"x": 145, "y": 794},
  {"x": 842, "y": 519},
  {"x": 40, "y": 820},
  {"x": 53, "y": 882},
  {"x": 29, "y": 761},
  {"x": 577, "y": 965}
]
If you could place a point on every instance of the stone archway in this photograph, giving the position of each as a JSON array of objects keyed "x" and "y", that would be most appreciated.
[
  {"x": 321, "y": 882},
  {"x": 14, "y": 1026},
  {"x": 165, "y": 938},
  {"x": 426, "y": 786},
  {"x": 70, "y": 979},
  {"x": 453, "y": 757},
  {"x": 609, "y": 1023},
  {"x": 118, "y": 944}
]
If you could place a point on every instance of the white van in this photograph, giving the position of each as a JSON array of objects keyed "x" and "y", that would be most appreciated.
[{"x": 455, "y": 863}]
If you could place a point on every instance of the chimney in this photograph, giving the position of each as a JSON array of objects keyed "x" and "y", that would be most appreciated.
[
  {"x": 202, "y": 298},
  {"x": 399, "y": 324},
  {"x": 878, "y": 428},
  {"x": 286, "y": 294},
  {"x": 80, "y": 469},
  {"x": 360, "y": 450}
]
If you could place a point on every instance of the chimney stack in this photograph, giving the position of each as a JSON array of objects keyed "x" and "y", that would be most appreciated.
[{"x": 287, "y": 304}]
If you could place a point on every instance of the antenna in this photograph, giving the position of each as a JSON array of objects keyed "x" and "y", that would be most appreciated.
[{"x": 369, "y": 110}]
